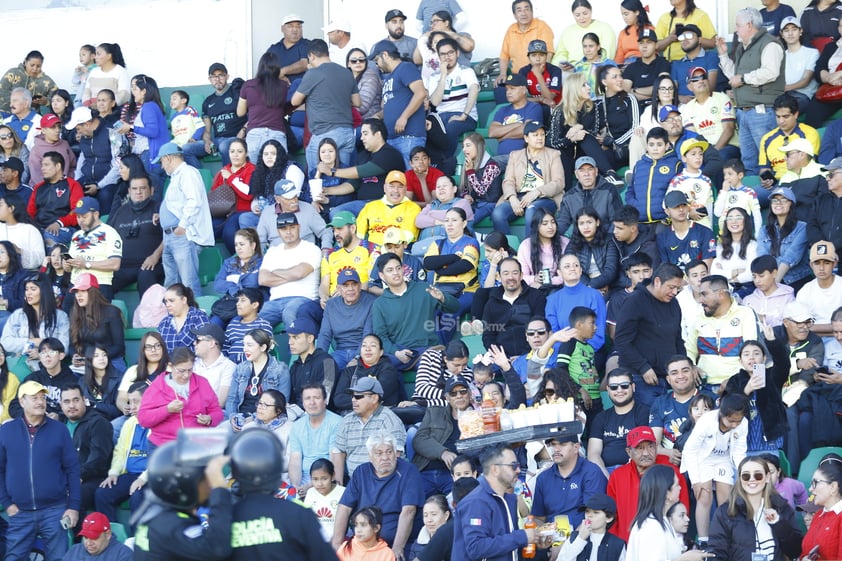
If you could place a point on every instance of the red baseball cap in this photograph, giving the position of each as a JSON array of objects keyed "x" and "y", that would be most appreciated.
[
  {"x": 84, "y": 281},
  {"x": 50, "y": 120},
  {"x": 94, "y": 525},
  {"x": 638, "y": 435}
]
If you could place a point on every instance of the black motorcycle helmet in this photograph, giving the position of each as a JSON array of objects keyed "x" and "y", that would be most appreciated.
[
  {"x": 257, "y": 461},
  {"x": 171, "y": 481}
]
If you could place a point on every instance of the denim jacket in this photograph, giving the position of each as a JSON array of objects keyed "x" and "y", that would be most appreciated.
[
  {"x": 276, "y": 378},
  {"x": 793, "y": 251}
]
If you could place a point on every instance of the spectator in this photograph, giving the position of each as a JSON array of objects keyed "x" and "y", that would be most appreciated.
[
  {"x": 145, "y": 120},
  {"x": 643, "y": 78},
  {"x": 671, "y": 24},
  {"x": 437, "y": 366},
  {"x": 259, "y": 372},
  {"x": 183, "y": 317},
  {"x": 322, "y": 203},
  {"x": 287, "y": 200},
  {"x": 821, "y": 534},
  {"x": 769, "y": 297},
  {"x": 178, "y": 399},
  {"x": 515, "y": 47},
  {"x": 575, "y": 293},
  {"x": 734, "y": 193},
  {"x": 106, "y": 105},
  {"x": 421, "y": 178},
  {"x": 313, "y": 365},
  {"x": 49, "y": 140},
  {"x": 710, "y": 113},
  {"x": 569, "y": 47},
  {"x": 98, "y": 541},
  {"x": 507, "y": 125},
  {"x": 185, "y": 125},
  {"x": 109, "y": 73},
  {"x": 695, "y": 59},
  {"x": 366, "y": 541},
  {"x": 481, "y": 183},
  {"x": 98, "y": 168},
  {"x": 784, "y": 237},
  {"x": 394, "y": 209},
  {"x": 600, "y": 513},
  {"x": 833, "y": 349},
  {"x": 352, "y": 256},
  {"x": 338, "y": 33},
  {"x": 636, "y": 20},
  {"x": 234, "y": 176},
  {"x": 823, "y": 294},
  {"x": 93, "y": 321},
  {"x": 607, "y": 435},
  {"x": 438, "y": 17},
  {"x": 395, "y": 241},
  {"x": 51, "y": 374},
  {"x": 592, "y": 245},
  {"x": 804, "y": 176},
  {"x": 291, "y": 51},
  {"x": 152, "y": 361},
  {"x": 30, "y": 76},
  {"x": 369, "y": 363},
  {"x": 11, "y": 172},
  {"x": 12, "y": 146},
  {"x": 24, "y": 120},
  {"x": 368, "y": 81},
  {"x": 312, "y": 438},
  {"x": 248, "y": 306},
  {"x": 53, "y": 200},
  {"x": 735, "y": 251},
  {"x": 820, "y": 225},
  {"x": 633, "y": 237},
  {"x": 685, "y": 240},
  {"x": 263, "y": 99},
  {"x": 347, "y": 319},
  {"x": 210, "y": 363},
  {"x": 540, "y": 253},
  {"x": 237, "y": 272},
  {"x": 543, "y": 80},
  {"x": 96, "y": 247},
  {"x": 395, "y": 27},
  {"x": 590, "y": 190},
  {"x": 638, "y": 268}
]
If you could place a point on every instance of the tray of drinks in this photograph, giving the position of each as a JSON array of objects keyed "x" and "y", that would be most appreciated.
[{"x": 522, "y": 434}]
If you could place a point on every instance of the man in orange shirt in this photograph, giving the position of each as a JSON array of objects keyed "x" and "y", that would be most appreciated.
[{"x": 516, "y": 41}]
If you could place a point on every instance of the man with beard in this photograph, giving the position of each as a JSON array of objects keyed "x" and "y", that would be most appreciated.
[
  {"x": 53, "y": 200},
  {"x": 291, "y": 50},
  {"x": 607, "y": 436},
  {"x": 347, "y": 318},
  {"x": 624, "y": 483},
  {"x": 715, "y": 339},
  {"x": 137, "y": 224},
  {"x": 649, "y": 331},
  {"x": 312, "y": 437},
  {"x": 353, "y": 254},
  {"x": 395, "y": 27},
  {"x": 564, "y": 488},
  {"x": 694, "y": 55},
  {"x": 96, "y": 247}
]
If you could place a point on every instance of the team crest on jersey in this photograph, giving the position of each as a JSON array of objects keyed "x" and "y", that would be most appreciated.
[
  {"x": 714, "y": 110},
  {"x": 735, "y": 322},
  {"x": 697, "y": 187},
  {"x": 732, "y": 199},
  {"x": 399, "y": 219},
  {"x": 694, "y": 244},
  {"x": 228, "y": 100},
  {"x": 664, "y": 170}
]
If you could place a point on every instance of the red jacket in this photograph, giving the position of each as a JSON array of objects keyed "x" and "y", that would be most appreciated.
[
  {"x": 623, "y": 487},
  {"x": 826, "y": 532},
  {"x": 163, "y": 426},
  {"x": 244, "y": 173}
]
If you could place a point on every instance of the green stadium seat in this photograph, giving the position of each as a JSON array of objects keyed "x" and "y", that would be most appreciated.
[
  {"x": 17, "y": 365},
  {"x": 119, "y": 532},
  {"x": 811, "y": 462},
  {"x": 207, "y": 178},
  {"x": 210, "y": 262},
  {"x": 206, "y": 302}
]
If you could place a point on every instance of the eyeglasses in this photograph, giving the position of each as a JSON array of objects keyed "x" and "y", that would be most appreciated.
[
  {"x": 183, "y": 370},
  {"x": 672, "y": 120},
  {"x": 359, "y": 396},
  {"x": 436, "y": 20},
  {"x": 806, "y": 323},
  {"x": 43, "y": 354},
  {"x": 152, "y": 347},
  {"x": 757, "y": 476},
  {"x": 5, "y": 136},
  {"x": 255, "y": 385},
  {"x": 514, "y": 465},
  {"x": 456, "y": 393},
  {"x": 264, "y": 404},
  {"x": 534, "y": 332},
  {"x": 815, "y": 482},
  {"x": 447, "y": 53},
  {"x": 356, "y": 60},
  {"x": 621, "y": 386}
]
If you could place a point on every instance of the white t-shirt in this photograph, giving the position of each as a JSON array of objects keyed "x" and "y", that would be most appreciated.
[
  {"x": 833, "y": 355},
  {"x": 280, "y": 257},
  {"x": 325, "y": 507},
  {"x": 218, "y": 374},
  {"x": 650, "y": 541},
  {"x": 821, "y": 301},
  {"x": 797, "y": 63}
]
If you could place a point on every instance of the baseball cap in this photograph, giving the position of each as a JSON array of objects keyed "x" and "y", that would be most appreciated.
[
  {"x": 94, "y": 525},
  {"x": 30, "y": 388},
  {"x": 50, "y": 120},
  {"x": 367, "y": 384},
  {"x": 790, "y": 20},
  {"x": 585, "y": 161},
  {"x": 823, "y": 250},
  {"x": 638, "y": 435},
  {"x": 285, "y": 219},
  {"x": 80, "y": 115},
  {"x": 348, "y": 275},
  {"x": 217, "y": 66},
  {"x": 13, "y": 163},
  {"x": 286, "y": 189},
  {"x": 647, "y": 35},
  {"x": 392, "y": 14},
  {"x": 384, "y": 46},
  {"x": 785, "y": 192},
  {"x": 537, "y": 46},
  {"x": 675, "y": 198},
  {"x": 167, "y": 149},
  {"x": 800, "y": 144},
  {"x": 394, "y": 236},
  {"x": 84, "y": 282},
  {"x": 86, "y": 204},
  {"x": 291, "y": 18},
  {"x": 600, "y": 501},
  {"x": 665, "y": 112},
  {"x": 692, "y": 28},
  {"x": 532, "y": 126},
  {"x": 562, "y": 438},
  {"x": 454, "y": 381},
  {"x": 697, "y": 69},
  {"x": 835, "y": 163},
  {"x": 798, "y": 312},
  {"x": 337, "y": 25},
  {"x": 211, "y": 330},
  {"x": 691, "y": 143},
  {"x": 302, "y": 325},
  {"x": 396, "y": 175},
  {"x": 516, "y": 80},
  {"x": 342, "y": 218}
]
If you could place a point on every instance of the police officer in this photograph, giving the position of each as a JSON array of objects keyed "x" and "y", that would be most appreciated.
[
  {"x": 169, "y": 529},
  {"x": 266, "y": 528}
]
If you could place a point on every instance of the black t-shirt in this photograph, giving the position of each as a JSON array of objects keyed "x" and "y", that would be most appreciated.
[
  {"x": 373, "y": 168},
  {"x": 221, "y": 109},
  {"x": 140, "y": 234},
  {"x": 612, "y": 429},
  {"x": 643, "y": 75},
  {"x": 249, "y": 404}
]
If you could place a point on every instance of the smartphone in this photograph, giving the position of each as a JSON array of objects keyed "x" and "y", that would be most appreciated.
[
  {"x": 65, "y": 523},
  {"x": 66, "y": 256},
  {"x": 759, "y": 373}
]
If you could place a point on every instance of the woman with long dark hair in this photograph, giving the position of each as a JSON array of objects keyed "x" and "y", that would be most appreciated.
[
  {"x": 684, "y": 12},
  {"x": 664, "y": 92},
  {"x": 109, "y": 73},
  {"x": 29, "y": 75},
  {"x": 145, "y": 124},
  {"x": 94, "y": 321},
  {"x": 335, "y": 190},
  {"x": 636, "y": 18},
  {"x": 373, "y": 363},
  {"x": 822, "y": 538},
  {"x": 12, "y": 146},
  {"x": 820, "y": 20},
  {"x": 259, "y": 372},
  {"x": 237, "y": 272},
  {"x": 595, "y": 249},
  {"x": 540, "y": 253},
  {"x": 152, "y": 360},
  {"x": 9, "y": 383},
  {"x": 101, "y": 381},
  {"x": 755, "y": 520},
  {"x": 236, "y": 175},
  {"x": 131, "y": 167},
  {"x": 35, "y": 320},
  {"x": 273, "y": 163},
  {"x": 17, "y": 228},
  {"x": 61, "y": 105},
  {"x": 784, "y": 237},
  {"x": 481, "y": 183},
  {"x": 736, "y": 250},
  {"x": 264, "y": 100},
  {"x": 11, "y": 280}
]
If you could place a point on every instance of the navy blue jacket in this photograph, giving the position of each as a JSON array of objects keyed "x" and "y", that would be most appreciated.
[
  {"x": 485, "y": 529},
  {"x": 42, "y": 472}
]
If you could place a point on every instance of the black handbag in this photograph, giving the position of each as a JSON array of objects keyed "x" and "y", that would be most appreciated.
[{"x": 225, "y": 308}]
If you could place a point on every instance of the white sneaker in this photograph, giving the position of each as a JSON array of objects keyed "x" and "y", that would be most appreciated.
[
  {"x": 477, "y": 326},
  {"x": 466, "y": 329}
]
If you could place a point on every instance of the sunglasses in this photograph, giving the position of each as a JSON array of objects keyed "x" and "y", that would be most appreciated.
[
  {"x": 697, "y": 79},
  {"x": 456, "y": 393},
  {"x": 255, "y": 385},
  {"x": 359, "y": 396},
  {"x": 549, "y": 391},
  {"x": 757, "y": 476},
  {"x": 5, "y": 136},
  {"x": 622, "y": 386},
  {"x": 514, "y": 465},
  {"x": 356, "y": 60},
  {"x": 534, "y": 332}
]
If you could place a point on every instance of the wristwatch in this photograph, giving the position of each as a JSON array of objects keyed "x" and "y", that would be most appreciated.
[{"x": 87, "y": 264}]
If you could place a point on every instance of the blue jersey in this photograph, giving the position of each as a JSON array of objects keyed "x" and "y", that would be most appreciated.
[
  {"x": 698, "y": 243},
  {"x": 396, "y": 98}
]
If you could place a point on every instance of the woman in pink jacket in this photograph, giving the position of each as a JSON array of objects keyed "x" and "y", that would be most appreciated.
[{"x": 177, "y": 399}]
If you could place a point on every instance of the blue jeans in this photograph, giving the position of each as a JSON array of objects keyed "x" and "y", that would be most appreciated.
[
  {"x": 646, "y": 394},
  {"x": 343, "y": 356},
  {"x": 344, "y": 139},
  {"x": 282, "y": 309},
  {"x": 107, "y": 499},
  {"x": 63, "y": 236},
  {"x": 503, "y": 214},
  {"x": 181, "y": 262},
  {"x": 248, "y": 220},
  {"x": 226, "y": 228},
  {"x": 256, "y": 138},
  {"x": 436, "y": 481},
  {"x": 752, "y": 126},
  {"x": 195, "y": 151},
  {"x": 455, "y": 129},
  {"x": 404, "y": 144},
  {"x": 482, "y": 210},
  {"x": 26, "y": 525}
]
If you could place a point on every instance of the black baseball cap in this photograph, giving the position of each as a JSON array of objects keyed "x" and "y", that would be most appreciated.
[
  {"x": 13, "y": 163},
  {"x": 217, "y": 66},
  {"x": 392, "y": 14}
]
